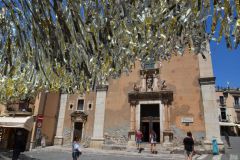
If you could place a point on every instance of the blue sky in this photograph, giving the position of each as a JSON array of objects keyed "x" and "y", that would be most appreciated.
[{"x": 226, "y": 64}]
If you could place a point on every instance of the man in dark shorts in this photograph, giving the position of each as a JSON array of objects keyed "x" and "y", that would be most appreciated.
[{"x": 188, "y": 146}]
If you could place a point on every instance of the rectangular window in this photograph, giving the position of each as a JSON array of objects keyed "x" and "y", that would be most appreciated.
[
  {"x": 221, "y": 98},
  {"x": 80, "y": 104},
  {"x": 236, "y": 100},
  {"x": 223, "y": 114}
]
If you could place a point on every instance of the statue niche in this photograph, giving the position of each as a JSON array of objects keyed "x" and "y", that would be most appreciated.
[
  {"x": 149, "y": 83},
  {"x": 136, "y": 87},
  {"x": 162, "y": 85}
]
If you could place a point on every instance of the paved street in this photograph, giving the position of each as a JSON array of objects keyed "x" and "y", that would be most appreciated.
[
  {"x": 90, "y": 156},
  {"x": 64, "y": 153},
  {"x": 53, "y": 153}
]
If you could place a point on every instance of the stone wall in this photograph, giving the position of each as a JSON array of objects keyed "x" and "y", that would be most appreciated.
[
  {"x": 116, "y": 136},
  {"x": 182, "y": 76}
]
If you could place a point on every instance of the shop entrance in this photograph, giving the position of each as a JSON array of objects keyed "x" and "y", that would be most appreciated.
[{"x": 150, "y": 120}]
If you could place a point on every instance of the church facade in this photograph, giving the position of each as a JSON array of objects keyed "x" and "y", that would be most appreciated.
[{"x": 170, "y": 98}]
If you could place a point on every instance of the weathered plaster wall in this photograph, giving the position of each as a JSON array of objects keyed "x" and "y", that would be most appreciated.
[
  {"x": 117, "y": 115},
  {"x": 89, "y": 98},
  {"x": 50, "y": 117},
  {"x": 181, "y": 75},
  {"x": 68, "y": 125}
]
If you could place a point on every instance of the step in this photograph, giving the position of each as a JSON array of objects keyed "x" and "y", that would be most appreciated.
[
  {"x": 148, "y": 150},
  {"x": 114, "y": 147}
]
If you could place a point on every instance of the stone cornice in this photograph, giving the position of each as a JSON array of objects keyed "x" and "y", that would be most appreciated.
[
  {"x": 154, "y": 71},
  {"x": 166, "y": 96},
  {"x": 207, "y": 80},
  {"x": 102, "y": 88}
]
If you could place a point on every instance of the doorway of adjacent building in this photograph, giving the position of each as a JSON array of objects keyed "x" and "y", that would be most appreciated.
[
  {"x": 78, "y": 128},
  {"x": 150, "y": 120}
]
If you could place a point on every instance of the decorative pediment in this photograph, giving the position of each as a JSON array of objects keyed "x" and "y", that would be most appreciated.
[
  {"x": 79, "y": 116},
  {"x": 166, "y": 96}
]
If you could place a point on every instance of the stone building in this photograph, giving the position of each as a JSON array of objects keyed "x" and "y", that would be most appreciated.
[
  {"x": 15, "y": 116},
  {"x": 170, "y": 98},
  {"x": 228, "y": 100},
  {"x": 36, "y": 117}
]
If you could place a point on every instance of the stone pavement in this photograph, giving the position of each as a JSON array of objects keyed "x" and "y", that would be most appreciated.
[
  {"x": 64, "y": 153},
  {"x": 89, "y": 153}
]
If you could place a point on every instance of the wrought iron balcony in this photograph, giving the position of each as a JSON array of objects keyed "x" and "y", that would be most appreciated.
[
  {"x": 223, "y": 120},
  {"x": 237, "y": 107},
  {"x": 222, "y": 104}
]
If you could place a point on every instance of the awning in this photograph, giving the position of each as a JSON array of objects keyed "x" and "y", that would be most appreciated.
[
  {"x": 227, "y": 124},
  {"x": 17, "y": 122}
]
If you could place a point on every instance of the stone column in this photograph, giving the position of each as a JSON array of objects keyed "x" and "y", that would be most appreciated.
[
  {"x": 162, "y": 120},
  {"x": 207, "y": 83},
  {"x": 58, "y": 139},
  {"x": 133, "y": 118},
  {"x": 98, "y": 139},
  {"x": 131, "y": 133}
]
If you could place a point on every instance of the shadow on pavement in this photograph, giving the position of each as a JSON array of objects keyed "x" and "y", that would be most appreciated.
[{"x": 8, "y": 156}]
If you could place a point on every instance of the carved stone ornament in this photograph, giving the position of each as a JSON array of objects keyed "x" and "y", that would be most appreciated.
[
  {"x": 149, "y": 82},
  {"x": 162, "y": 85},
  {"x": 136, "y": 87}
]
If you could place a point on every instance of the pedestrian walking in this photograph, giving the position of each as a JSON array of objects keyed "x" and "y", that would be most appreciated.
[
  {"x": 227, "y": 139},
  {"x": 43, "y": 141},
  {"x": 19, "y": 144},
  {"x": 153, "y": 141},
  {"x": 139, "y": 137},
  {"x": 76, "y": 149},
  {"x": 188, "y": 146}
]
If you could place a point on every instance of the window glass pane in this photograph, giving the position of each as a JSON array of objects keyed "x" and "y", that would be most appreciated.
[
  {"x": 80, "y": 104},
  {"x": 223, "y": 114},
  {"x": 221, "y": 100},
  {"x": 236, "y": 100}
]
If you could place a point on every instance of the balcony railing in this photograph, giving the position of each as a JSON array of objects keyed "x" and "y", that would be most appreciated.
[
  {"x": 221, "y": 103},
  {"x": 223, "y": 120},
  {"x": 236, "y": 105}
]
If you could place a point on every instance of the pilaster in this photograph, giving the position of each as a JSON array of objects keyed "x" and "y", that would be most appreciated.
[
  {"x": 98, "y": 139},
  {"x": 131, "y": 133},
  {"x": 207, "y": 84},
  {"x": 58, "y": 139}
]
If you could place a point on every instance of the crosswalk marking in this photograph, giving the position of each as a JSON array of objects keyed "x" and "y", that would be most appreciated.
[
  {"x": 217, "y": 157},
  {"x": 233, "y": 157},
  {"x": 201, "y": 157}
]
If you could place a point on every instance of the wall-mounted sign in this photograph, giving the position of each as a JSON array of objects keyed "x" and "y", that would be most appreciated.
[
  {"x": 187, "y": 119},
  {"x": 39, "y": 121}
]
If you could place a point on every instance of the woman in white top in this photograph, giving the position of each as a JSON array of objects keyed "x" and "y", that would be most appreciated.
[
  {"x": 76, "y": 149},
  {"x": 153, "y": 141}
]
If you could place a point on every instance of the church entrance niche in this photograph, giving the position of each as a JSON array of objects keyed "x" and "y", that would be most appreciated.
[
  {"x": 149, "y": 120},
  {"x": 78, "y": 127}
]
